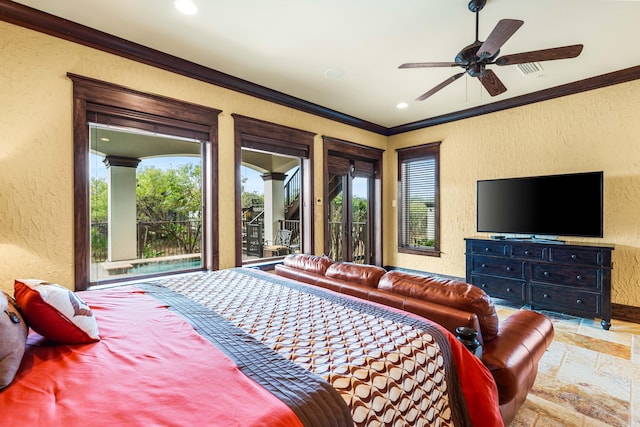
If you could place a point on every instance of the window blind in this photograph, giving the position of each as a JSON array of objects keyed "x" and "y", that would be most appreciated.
[{"x": 418, "y": 185}]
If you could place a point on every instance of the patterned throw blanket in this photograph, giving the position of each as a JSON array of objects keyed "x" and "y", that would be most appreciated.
[{"x": 389, "y": 369}]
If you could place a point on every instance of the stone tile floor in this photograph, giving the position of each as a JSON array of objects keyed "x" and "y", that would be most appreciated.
[{"x": 588, "y": 377}]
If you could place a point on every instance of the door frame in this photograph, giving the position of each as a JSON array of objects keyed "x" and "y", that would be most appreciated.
[
  {"x": 349, "y": 150},
  {"x": 271, "y": 137}
]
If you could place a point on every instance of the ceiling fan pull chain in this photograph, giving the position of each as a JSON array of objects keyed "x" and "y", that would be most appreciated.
[{"x": 466, "y": 91}]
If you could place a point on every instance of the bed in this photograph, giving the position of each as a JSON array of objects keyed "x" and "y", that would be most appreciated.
[{"x": 241, "y": 347}]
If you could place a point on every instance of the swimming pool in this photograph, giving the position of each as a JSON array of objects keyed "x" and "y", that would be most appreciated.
[{"x": 165, "y": 266}]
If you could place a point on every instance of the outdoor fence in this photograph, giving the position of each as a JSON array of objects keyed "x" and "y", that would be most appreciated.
[{"x": 155, "y": 239}]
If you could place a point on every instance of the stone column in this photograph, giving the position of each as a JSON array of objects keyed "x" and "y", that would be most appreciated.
[
  {"x": 273, "y": 203},
  {"x": 122, "y": 208}
]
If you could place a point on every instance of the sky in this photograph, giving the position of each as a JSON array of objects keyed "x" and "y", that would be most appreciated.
[
  {"x": 254, "y": 182},
  {"x": 99, "y": 170}
]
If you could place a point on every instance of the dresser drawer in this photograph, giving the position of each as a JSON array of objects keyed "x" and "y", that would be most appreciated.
[
  {"x": 497, "y": 267},
  {"x": 581, "y": 277},
  {"x": 565, "y": 299},
  {"x": 488, "y": 248},
  {"x": 527, "y": 251},
  {"x": 575, "y": 256},
  {"x": 498, "y": 287}
]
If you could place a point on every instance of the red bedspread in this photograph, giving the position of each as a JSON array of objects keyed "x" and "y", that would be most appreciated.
[{"x": 153, "y": 369}]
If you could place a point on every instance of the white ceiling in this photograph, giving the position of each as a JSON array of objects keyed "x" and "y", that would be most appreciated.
[{"x": 344, "y": 54}]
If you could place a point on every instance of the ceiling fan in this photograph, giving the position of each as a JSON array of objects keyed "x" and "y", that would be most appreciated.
[{"x": 475, "y": 57}]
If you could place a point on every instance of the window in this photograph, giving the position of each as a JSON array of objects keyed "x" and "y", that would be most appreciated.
[
  {"x": 418, "y": 199},
  {"x": 145, "y": 203},
  {"x": 107, "y": 106}
]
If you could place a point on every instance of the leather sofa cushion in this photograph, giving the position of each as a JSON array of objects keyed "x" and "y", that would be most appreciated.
[
  {"x": 310, "y": 263},
  {"x": 366, "y": 275},
  {"x": 447, "y": 292}
]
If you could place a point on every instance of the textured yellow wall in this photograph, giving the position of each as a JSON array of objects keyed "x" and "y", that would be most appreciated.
[
  {"x": 592, "y": 131},
  {"x": 36, "y": 146},
  {"x": 596, "y": 130}
]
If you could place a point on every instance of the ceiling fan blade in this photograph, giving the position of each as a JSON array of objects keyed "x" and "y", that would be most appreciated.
[
  {"x": 564, "y": 52},
  {"x": 440, "y": 86},
  {"x": 492, "y": 83},
  {"x": 499, "y": 36},
  {"x": 428, "y": 64}
]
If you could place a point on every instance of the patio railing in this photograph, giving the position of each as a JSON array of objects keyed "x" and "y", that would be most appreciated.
[
  {"x": 359, "y": 238},
  {"x": 155, "y": 239}
]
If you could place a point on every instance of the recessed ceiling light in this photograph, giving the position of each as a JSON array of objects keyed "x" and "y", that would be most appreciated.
[
  {"x": 334, "y": 73},
  {"x": 186, "y": 6},
  {"x": 402, "y": 105}
]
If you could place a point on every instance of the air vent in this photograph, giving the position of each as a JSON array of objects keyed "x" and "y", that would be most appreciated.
[{"x": 530, "y": 68}]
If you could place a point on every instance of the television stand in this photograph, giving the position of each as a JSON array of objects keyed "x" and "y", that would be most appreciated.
[{"x": 573, "y": 278}]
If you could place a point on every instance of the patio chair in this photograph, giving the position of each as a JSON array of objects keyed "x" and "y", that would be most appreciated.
[{"x": 280, "y": 244}]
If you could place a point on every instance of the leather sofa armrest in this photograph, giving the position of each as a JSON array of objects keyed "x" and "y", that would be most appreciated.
[{"x": 513, "y": 355}]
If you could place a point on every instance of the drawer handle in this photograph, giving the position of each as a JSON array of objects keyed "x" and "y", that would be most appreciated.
[
  {"x": 527, "y": 253},
  {"x": 508, "y": 289},
  {"x": 545, "y": 274},
  {"x": 487, "y": 249},
  {"x": 483, "y": 285},
  {"x": 509, "y": 268},
  {"x": 545, "y": 296},
  {"x": 579, "y": 277},
  {"x": 574, "y": 256},
  {"x": 484, "y": 266},
  {"x": 578, "y": 301}
]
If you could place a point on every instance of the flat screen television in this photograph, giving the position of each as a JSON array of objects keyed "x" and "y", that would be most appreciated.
[{"x": 546, "y": 206}]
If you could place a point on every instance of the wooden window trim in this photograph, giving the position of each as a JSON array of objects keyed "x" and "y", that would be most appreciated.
[
  {"x": 407, "y": 154},
  {"x": 117, "y": 105}
]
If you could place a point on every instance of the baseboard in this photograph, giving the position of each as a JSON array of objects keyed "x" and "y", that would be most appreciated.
[{"x": 627, "y": 313}]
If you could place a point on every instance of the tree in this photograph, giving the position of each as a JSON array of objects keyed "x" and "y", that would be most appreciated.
[
  {"x": 99, "y": 214},
  {"x": 168, "y": 205},
  {"x": 170, "y": 200},
  {"x": 174, "y": 194},
  {"x": 99, "y": 200}
]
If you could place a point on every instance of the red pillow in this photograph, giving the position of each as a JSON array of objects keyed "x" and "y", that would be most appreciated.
[{"x": 55, "y": 312}]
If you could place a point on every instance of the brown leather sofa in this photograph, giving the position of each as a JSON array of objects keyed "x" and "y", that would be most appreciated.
[{"x": 511, "y": 348}]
